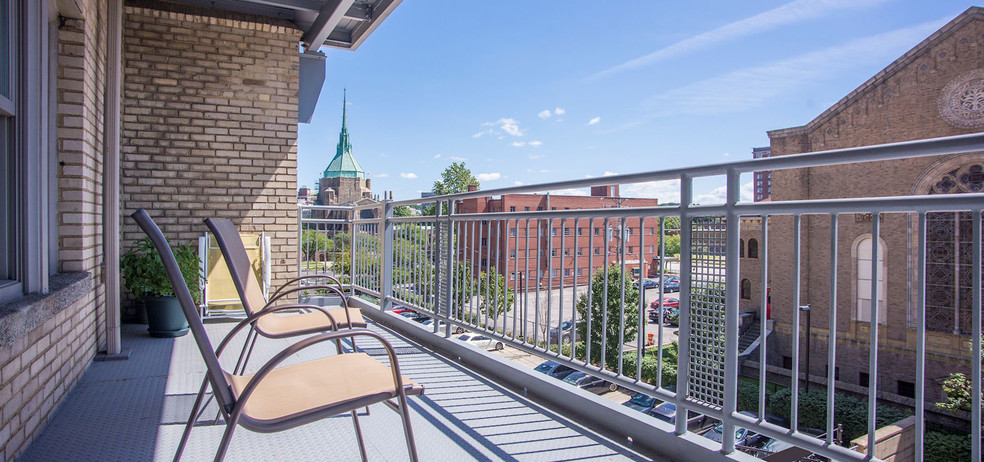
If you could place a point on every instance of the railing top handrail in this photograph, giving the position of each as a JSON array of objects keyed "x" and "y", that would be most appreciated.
[
  {"x": 326, "y": 207},
  {"x": 959, "y": 144}
]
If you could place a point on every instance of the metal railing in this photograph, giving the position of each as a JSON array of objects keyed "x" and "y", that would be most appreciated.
[{"x": 519, "y": 276}]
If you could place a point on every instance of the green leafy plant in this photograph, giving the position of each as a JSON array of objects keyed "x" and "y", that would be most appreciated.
[
  {"x": 143, "y": 271},
  {"x": 617, "y": 285}
]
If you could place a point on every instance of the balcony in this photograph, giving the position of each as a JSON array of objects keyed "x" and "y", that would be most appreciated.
[{"x": 476, "y": 404}]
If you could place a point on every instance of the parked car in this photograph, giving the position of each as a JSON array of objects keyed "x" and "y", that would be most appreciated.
[
  {"x": 481, "y": 341},
  {"x": 667, "y": 412},
  {"x": 565, "y": 331},
  {"x": 642, "y": 402},
  {"x": 397, "y": 309},
  {"x": 454, "y": 329},
  {"x": 768, "y": 446},
  {"x": 415, "y": 316},
  {"x": 648, "y": 283},
  {"x": 669, "y": 314},
  {"x": 555, "y": 370},
  {"x": 585, "y": 381},
  {"x": 743, "y": 436},
  {"x": 671, "y": 285}
]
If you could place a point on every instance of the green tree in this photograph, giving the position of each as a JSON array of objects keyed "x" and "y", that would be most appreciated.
[
  {"x": 454, "y": 179},
  {"x": 617, "y": 283},
  {"x": 403, "y": 211},
  {"x": 495, "y": 297},
  {"x": 672, "y": 245},
  {"x": 313, "y": 242}
]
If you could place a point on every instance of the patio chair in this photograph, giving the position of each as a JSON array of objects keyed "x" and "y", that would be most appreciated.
[
  {"x": 279, "y": 398},
  {"x": 251, "y": 295}
]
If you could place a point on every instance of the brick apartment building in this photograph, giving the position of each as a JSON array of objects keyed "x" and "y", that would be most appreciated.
[
  {"x": 929, "y": 92},
  {"x": 553, "y": 253},
  {"x": 763, "y": 179}
]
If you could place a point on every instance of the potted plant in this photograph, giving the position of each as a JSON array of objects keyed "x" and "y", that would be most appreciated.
[{"x": 144, "y": 276}]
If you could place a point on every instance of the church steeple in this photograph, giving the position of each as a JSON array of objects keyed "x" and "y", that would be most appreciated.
[{"x": 344, "y": 163}]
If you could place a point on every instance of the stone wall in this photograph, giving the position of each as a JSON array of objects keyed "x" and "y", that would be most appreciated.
[{"x": 210, "y": 124}]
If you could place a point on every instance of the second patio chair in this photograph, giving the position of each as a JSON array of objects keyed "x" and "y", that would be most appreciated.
[
  {"x": 279, "y": 398},
  {"x": 251, "y": 294}
]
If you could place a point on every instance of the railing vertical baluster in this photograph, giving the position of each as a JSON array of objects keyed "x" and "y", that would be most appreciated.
[
  {"x": 659, "y": 304},
  {"x": 589, "y": 339},
  {"x": 794, "y": 399},
  {"x": 499, "y": 239},
  {"x": 526, "y": 279},
  {"x": 539, "y": 258},
  {"x": 686, "y": 268},
  {"x": 641, "y": 330},
  {"x": 604, "y": 304},
  {"x": 577, "y": 256},
  {"x": 921, "y": 339},
  {"x": 515, "y": 275},
  {"x": 832, "y": 330},
  {"x": 764, "y": 312},
  {"x": 622, "y": 236},
  {"x": 873, "y": 346},
  {"x": 975, "y": 420},
  {"x": 550, "y": 257},
  {"x": 731, "y": 290},
  {"x": 476, "y": 254},
  {"x": 449, "y": 270},
  {"x": 560, "y": 305},
  {"x": 486, "y": 303}
]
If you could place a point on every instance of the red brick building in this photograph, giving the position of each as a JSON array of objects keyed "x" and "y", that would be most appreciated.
[{"x": 559, "y": 251}]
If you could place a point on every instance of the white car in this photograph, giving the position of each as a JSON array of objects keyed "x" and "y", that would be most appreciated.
[
  {"x": 441, "y": 326},
  {"x": 481, "y": 341}
]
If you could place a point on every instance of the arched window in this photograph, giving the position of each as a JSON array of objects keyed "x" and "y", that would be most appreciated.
[
  {"x": 949, "y": 255},
  {"x": 741, "y": 248},
  {"x": 753, "y": 248},
  {"x": 746, "y": 289},
  {"x": 862, "y": 255}
]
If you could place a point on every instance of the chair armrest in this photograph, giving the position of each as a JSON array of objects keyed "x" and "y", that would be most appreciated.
[
  {"x": 341, "y": 288},
  {"x": 311, "y": 341},
  {"x": 269, "y": 310},
  {"x": 283, "y": 293},
  {"x": 348, "y": 318}
]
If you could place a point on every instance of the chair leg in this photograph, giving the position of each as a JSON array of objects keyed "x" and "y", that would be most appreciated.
[
  {"x": 231, "y": 423},
  {"x": 358, "y": 436},
  {"x": 407, "y": 430},
  {"x": 191, "y": 420},
  {"x": 249, "y": 353}
]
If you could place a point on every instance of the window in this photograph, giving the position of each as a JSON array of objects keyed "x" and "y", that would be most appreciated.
[
  {"x": 753, "y": 248},
  {"x": 597, "y": 231},
  {"x": 512, "y": 208},
  {"x": 787, "y": 363},
  {"x": 580, "y": 231},
  {"x": 485, "y": 262},
  {"x": 553, "y": 208},
  {"x": 630, "y": 249},
  {"x": 567, "y": 272},
  {"x": 512, "y": 232},
  {"x": 553, "y": 231},
  {"x": 597, "y": 250},
  {"x": 652, "y": 249},
  {"x": 554, "y": 273},
  {"x": 907, "y": 389},
  {"x": 526, "y": 209},
  {"x": 863, "y": 288},
  {"x": 567, "y": 231},
  {"x": 539, "y": 208},
  {"x": 746, "y": 289},
  {"x": 553, "y": 252},
  {"x": 580, "y": 251},
  {"x": 485, "y": 241},
  {"x": 567, "y": 252},
  {"x": 863, "y": 379},
  {"x": 580, "y": 271},
  {"x": 512, "y": 253},
  {"x": 650, "y": 231},
  {"x": 741, "y": 248}
]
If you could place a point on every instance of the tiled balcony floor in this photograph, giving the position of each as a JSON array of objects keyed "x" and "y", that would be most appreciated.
[{"x": 136, "y": 409}]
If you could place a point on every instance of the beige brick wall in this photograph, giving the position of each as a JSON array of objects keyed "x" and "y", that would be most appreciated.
[
  {"x": 900, "y": 104},
  {"x": 210, "y": 124}
]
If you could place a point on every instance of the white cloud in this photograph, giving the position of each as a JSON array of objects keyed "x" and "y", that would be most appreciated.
[
  {"x": 518, "y": 183},
  {"x": 790, "y": 13},
  {"x": 544, "y": 170},
  {"x": 607, "y": 173},
  {"x": 544, "y": 114},
  {"x": 535, "y": 156},
  {"x": 437, "y": 156},
  {"x": 559, "y": 111},
  {"x": 536, "y": 143},
  {"x": 530, "y": 170},
  {"x": 382, "y": 175},
  {"x": 508, "y": 125},
  {"x": 751, "y": 87},
  {"x": 720, "y": 194},
  {"x": 519, "y": 144},
  {"x": 594, "y": 121},
  {"x": 488, "y": 176},
  {"x": 458, "y": 158},
  {"x": 727, "y": 154},
  {"x": 408, "y": 175},
  {"x": 664, "y": 191}
]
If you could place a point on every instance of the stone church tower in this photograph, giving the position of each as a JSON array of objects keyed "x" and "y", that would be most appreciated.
[{"x": 344, "y": 182}]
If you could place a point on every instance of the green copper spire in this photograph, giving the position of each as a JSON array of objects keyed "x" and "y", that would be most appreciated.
[{"x": 344, "y": 164}]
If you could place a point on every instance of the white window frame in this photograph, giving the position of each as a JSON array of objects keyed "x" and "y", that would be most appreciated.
[{"x": 862, "y": 280}]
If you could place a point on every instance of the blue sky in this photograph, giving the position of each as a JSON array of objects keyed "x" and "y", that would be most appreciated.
[{"x": 531, "y": 92}]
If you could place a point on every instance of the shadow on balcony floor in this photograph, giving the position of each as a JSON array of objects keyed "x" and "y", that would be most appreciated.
[{"x": 136, "y": 409}]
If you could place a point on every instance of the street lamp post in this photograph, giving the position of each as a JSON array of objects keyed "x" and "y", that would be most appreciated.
[{"x": 809, "y": 325}]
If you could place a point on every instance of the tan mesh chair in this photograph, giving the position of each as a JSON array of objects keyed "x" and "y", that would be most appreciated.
[
  {"x": 237, "y": 259},
  {"x": 279, "y": 398}
]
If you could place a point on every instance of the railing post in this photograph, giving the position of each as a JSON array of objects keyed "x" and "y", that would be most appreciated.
[
  {"x": 386, "y": 247},
  {"x": 683, "y": 345},
  {"x": 448, "y": 275},
  {"x": 731, "y": 283}
]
